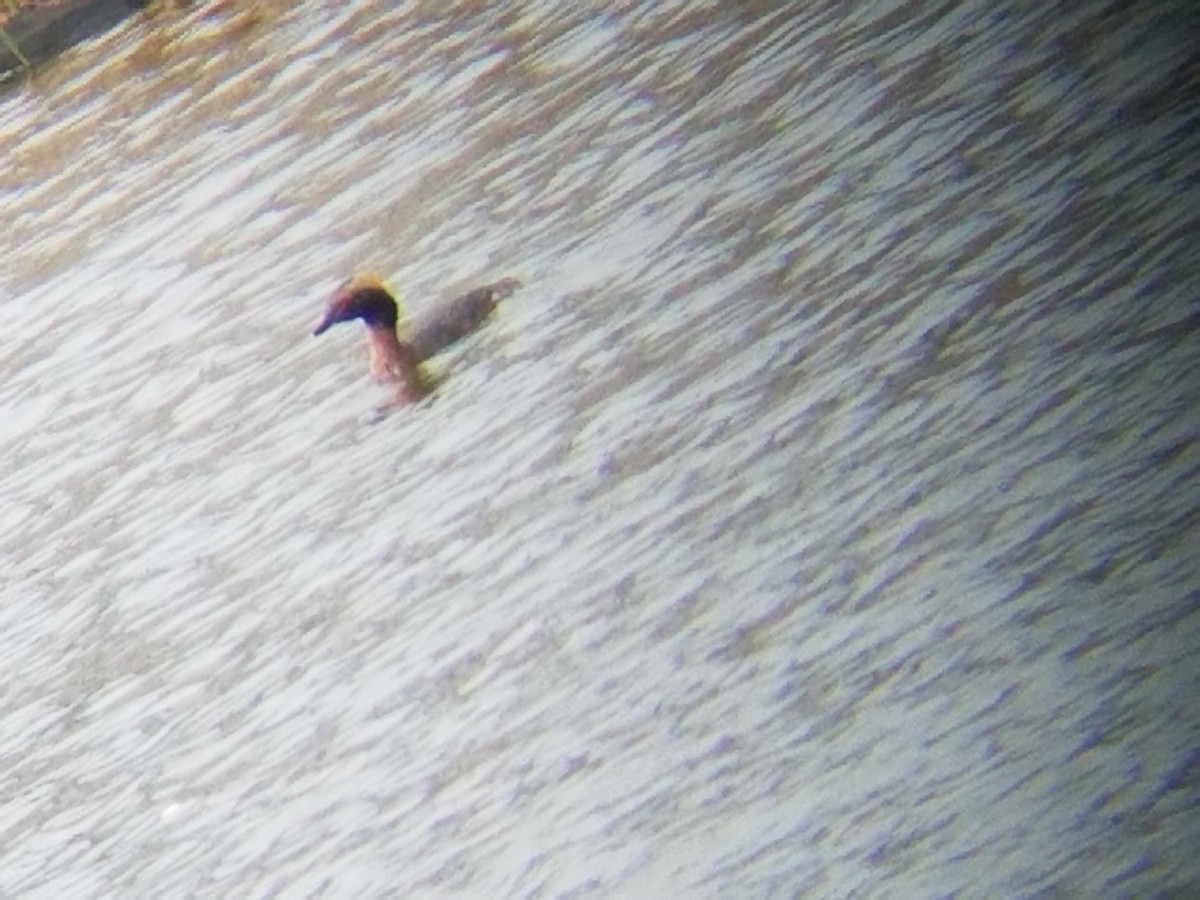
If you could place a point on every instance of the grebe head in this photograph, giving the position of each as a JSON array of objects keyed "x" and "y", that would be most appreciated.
[{"x": 362, "y": 297}]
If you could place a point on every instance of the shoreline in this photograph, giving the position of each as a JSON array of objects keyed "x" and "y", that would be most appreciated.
[{"x": 33, "y": 35}]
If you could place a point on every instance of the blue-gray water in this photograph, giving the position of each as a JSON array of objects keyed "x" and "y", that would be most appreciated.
[{"x": 820, "y": 519}]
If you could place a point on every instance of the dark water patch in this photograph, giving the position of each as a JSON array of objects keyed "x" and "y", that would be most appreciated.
[{"x": 39, "y": 31}]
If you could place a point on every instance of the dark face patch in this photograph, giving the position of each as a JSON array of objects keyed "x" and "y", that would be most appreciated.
[{"x": 373, "y": 305}]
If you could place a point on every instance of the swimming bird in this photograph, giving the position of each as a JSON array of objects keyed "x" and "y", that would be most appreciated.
[{"x": 396, "y": 357}]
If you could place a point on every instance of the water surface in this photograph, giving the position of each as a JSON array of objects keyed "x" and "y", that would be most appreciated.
[{"x": 820, "y": 519}]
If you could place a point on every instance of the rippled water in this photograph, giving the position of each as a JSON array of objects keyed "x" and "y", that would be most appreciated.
[{"x": 819, "y": 519}]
